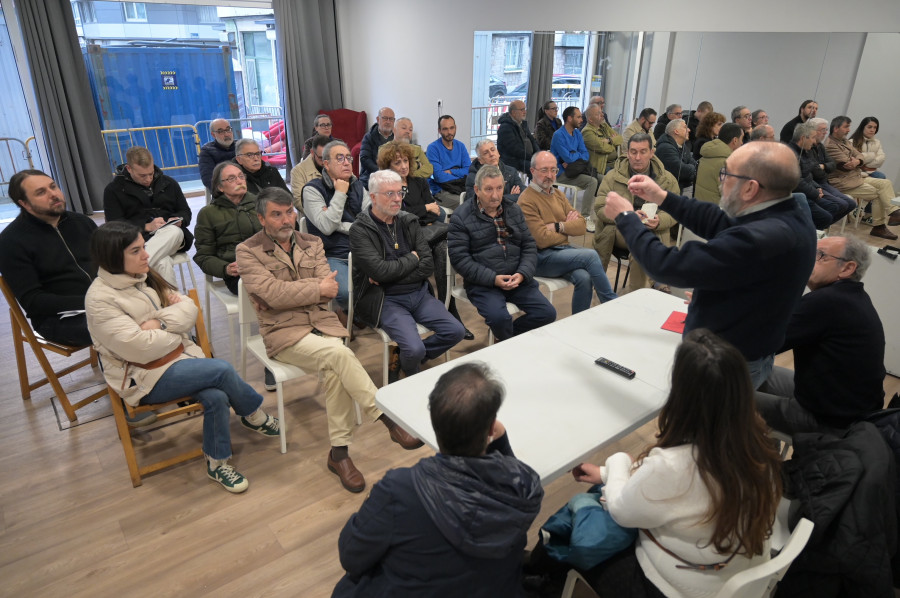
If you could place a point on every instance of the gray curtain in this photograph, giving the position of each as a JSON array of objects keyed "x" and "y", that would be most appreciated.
[
  {"x": 309, "y": 73},
  {"x": 71, "y": 128},
  {"x": 540, "y": 80}
]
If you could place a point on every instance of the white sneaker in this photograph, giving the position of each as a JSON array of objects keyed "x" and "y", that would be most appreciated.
[{"x": 589, "y": 222}]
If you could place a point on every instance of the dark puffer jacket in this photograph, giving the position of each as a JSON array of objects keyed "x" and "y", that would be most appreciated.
[
  {"x": 475, "y": 253},
  {"x": 211, "y": 154},
  {"x": 266, "y": 176},
  {"x": 368, "y": 153},
  {"x": 125, "y": 199},
  {"x": 515, "y": 143},
  {"x": 510, "y": 179},
  {"x": 220, "y": 227},
  {"x": 677, "y": 160},
  {"x": 367, "y": 246}
]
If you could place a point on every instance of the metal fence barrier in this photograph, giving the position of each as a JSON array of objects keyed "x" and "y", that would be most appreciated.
[
  {"x": 174, "y": 147},
  {"x": 484, "y": 118}
]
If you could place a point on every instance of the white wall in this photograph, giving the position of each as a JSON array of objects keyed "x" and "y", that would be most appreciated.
[{"x": 409, "y": 54}]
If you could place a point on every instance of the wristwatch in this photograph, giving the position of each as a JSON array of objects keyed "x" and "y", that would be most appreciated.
[
  {"x": 162, "y": 325},
  {"x": 556, "y": 225}
]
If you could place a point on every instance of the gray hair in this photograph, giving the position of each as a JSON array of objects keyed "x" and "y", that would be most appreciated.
[
  {"x": 483, "y": 143},
  {"x": 803, "y": 130},
  {"x": 485, "y": 172},
  {"x": 755, "y": 115},
  {"x": 380, "y": 178},
  {"x": 817, "y": 121},
  {"x": 736, "y": 113},
  {"x": 215, "y": 120},
  {"x": 672, "y": 107},
  {"x": 240, "y": 143},
  {"x": 406, "y": 118},
  {"x": 217, "y": 176},
  {"x": 592, "y": 108},
  {"x": 640, "y": 138},
  {"x": 318, "y": 118},
  {"x": 326, "y": 151},
  {"x": 275, "y": 195},
  {"x": 674, "y": 124},
  {"x": 760, "y": 133},
  {"x": 858, "y": 252}
]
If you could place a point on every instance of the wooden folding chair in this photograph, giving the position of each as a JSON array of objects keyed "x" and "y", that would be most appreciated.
[
  {"x": 164, "y": 411},
  {"x": 23, "y": 333}
]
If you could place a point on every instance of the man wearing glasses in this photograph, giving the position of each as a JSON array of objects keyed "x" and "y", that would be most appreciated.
[
  {"x": 331, "y": 204},
  {"x": 219, "y": 150},
  {"x": 749, "y": 276},
  {"x": 514, "y": 139},
  {"x": 838, "y": 343},
  {"x": 391, "y": 265},
  {"x": 673, "y": 112},
  {"x": 380, "y": 133},
  {"x": 259, "y": 173},
  {"x": 742, "y": 117}
]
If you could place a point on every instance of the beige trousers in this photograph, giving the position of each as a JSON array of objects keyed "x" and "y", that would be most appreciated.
[
  {"x": 880, "y": 192},
  {"x": 343, "y": 380},
  {"x": 161, "y": 247}
]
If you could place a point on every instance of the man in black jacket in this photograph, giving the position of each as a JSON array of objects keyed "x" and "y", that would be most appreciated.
[
  {"x": 391, "y": 265},
  {"x": 259, "y": 173},
  {"x": 142, "y": 195},
  {"x": 838, "y": 344},
  {"x": 416, "y": 534},
  {"x": 219, "y": 150},
  {"x": 514, "y": 138},
  {"x": 380, "y": 133},
  {"x": 45, "y": 258},
  {"x": 808, "y": 109}
]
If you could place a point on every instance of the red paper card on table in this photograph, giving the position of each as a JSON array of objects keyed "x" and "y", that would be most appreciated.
[{"x": 675, "y": 322}]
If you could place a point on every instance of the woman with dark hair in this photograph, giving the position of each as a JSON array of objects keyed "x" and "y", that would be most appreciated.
[
  {"x": 707, "y": 130},
  {"x": 399, "y": 156},
  {"x": 863, "y": 139},
  {"x": 704, "y": 495},
  {"x": 141, "y": 328},
  {"x": 547, "y": 124},
  {"x": 321, "y": 126}
]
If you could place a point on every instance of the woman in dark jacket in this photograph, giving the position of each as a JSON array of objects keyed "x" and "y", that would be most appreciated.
[
  {"x": 707, "y": 131},
  {"x": 547, "y": 125}
]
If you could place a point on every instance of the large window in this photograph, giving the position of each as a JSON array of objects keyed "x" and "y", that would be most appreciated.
[
  {"x": 515, "y": 49},
  {"x": 135, "y": 12},
  {"x": 262, "y": 81}
]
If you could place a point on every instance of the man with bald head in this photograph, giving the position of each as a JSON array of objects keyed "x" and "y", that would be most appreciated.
[
  {"x": 220, "y": 149},
  {"x": 403, "y": 132},
  {"x": 762, "y": 133},
  {"x": 749, "y": 276},
  {"x": 599, "y": 102},
  {"x": 515, "y": 141},
  {"x": 380, "y": 133}
]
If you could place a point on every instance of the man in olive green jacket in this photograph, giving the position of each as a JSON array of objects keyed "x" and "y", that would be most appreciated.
[
  {"x": 712, "y": 160},
  {"x": 228, "y": 220},
  {"x": 639, "y": 159},
  {"x": 600, "y": 139}
]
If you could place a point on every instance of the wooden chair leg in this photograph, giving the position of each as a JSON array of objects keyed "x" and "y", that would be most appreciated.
[
  {"x": 125, "y": 437},
  {"x": 18, "y": 345},
  {"x": 55, "y": 385}
]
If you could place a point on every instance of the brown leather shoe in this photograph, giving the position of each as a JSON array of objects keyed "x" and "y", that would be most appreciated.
[
  {"x": 894, "y": 219},
  {"x": 351, "y": 478},
  {"x": 883, "y": 232},
  {"x": 404, "y": 438}
]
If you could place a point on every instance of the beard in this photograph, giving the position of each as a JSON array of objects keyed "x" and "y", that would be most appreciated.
[{"x": 731, "y": 203}]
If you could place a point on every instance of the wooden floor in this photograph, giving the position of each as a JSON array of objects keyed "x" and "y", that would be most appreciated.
[{"x": 72, "y": 525}]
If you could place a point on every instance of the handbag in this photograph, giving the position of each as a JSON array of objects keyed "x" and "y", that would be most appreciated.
[
  {"x": 586, "y": 536},
  {"x": 578, "y": 168},
  {"x": 435, "y": 232}
]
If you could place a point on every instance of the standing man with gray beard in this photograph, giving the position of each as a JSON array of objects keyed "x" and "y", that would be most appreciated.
[{"x": 749, "y": 276}]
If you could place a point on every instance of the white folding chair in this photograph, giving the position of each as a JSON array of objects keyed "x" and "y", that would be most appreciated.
[
  {"x": 385, "y": 337},
  {"x": 553, "y": 284},
  {"x": 301, "y": 226},
  {"x": 570, "y": 191},
  {"x": 459, "y": 293},
  {"x": 255, "y": 346},
  {"x": 181, "y": 260},
  {"x": 218, "y": 289}
]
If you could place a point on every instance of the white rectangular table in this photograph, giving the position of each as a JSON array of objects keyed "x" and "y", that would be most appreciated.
[{"x": 560, "y": 406}]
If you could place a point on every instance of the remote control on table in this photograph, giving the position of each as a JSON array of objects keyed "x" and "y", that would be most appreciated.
[{"x": 615, "y": 367}]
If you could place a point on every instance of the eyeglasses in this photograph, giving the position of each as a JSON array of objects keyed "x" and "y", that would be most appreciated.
[
  {"x": 821, "y": 255},
  {"x": 234, "y": 178},
  {"x": 724, "y": 173},
  {"x": 252, "y": 155},
  {"x": 546, "y": 171},
  {"x": 389, "y": 119},
  {"x": 340, "y": 159},
  {"x": 553, "y": 109},
  {"x": 677, "y": 114},
  {"x": 220, "y": 131},
  {"x": 325, "y": 125},
  {"x": 317, "y": 155},
  {"x": 748, "y": 115},
  {"x": 392, "y": 195}
]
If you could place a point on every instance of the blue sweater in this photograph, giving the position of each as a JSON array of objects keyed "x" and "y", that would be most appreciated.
[
  {"x": 568, "y": 148},
  {"x": 457, "y": 161},
  {"x": 747, "y": 279}
]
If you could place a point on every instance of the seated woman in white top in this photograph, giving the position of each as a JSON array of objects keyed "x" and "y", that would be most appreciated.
[
  {"x": 705, "y": 495},
  {"x": 141, "y": 328},
  {"x": 863, "y": 139}
]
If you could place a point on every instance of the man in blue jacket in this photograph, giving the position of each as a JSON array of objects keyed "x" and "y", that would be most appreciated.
[
  {"x": 491, "y": 247},
  {"x": 568, "y": 147},
  {"x": 416, "y": 535},
  {"x": 748, "y": 278},
  {"x": 451, "y": 162}
]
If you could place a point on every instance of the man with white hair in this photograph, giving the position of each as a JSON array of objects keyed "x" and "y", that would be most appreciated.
[
  {"x": 674, "y": 150},
  {"x": 488, "y": 155},
  {"x": 403, "y": 132},
  {"x": 220, "y": 149},
  {"x": 391, "y": 265}
]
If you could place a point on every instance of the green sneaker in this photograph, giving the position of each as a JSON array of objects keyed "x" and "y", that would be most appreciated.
[
  {"x": 230, "y": 479},
  {"x": 267, "y": 428}
]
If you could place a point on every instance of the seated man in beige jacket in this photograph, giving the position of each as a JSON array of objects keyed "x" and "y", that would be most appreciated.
[
  {"x": 289, "y": 281},
  {"x": 308, "y": 169},
  {"x": 639, "y": 159}
]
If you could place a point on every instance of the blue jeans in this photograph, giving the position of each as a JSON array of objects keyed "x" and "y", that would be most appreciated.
[
  {"x": 491, "y": 304},
  {"x": 877, "y": 174},
  {"x": 580, "y": 266},
  {"x": 215, "y": 384},
  {"x": 760, "y": 369},
  {"x": 399, "y": 316},
  {"x": 846, "y": 203},
  {"x": 340, "y": 264}
]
